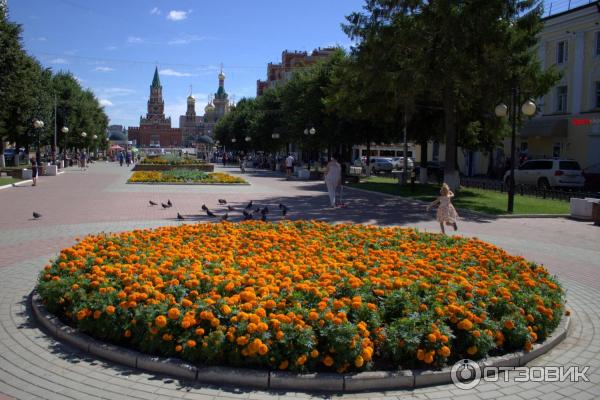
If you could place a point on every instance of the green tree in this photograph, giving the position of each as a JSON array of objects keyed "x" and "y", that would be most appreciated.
[{"x": 469, "y": 54}]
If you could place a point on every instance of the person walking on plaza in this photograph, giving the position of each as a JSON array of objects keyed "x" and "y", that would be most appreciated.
[
  {"x": 82, "y": 159},
  {"x": 34, "y": 171},
  {"x": 224, "y": 159},
  {"x": 128, "y": 158},
  {"x": 333, "y": 179},
  {"x": 446, "y": 213},
  {"x": 121, "y": 158},
  {"x": 289, "y": 166}
]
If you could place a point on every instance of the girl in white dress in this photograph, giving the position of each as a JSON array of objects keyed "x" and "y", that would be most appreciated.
[{"x": 446, "y": 213}]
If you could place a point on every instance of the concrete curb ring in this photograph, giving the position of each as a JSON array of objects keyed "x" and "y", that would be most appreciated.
[{"x": 279, "y": 380}]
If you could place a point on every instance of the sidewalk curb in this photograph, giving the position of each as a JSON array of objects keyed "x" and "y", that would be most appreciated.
[
  {"x": 278, "y": 380},
  {"x": 463, "y": 211}
]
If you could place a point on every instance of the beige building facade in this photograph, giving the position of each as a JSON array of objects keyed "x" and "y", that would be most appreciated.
[{"x": 567, "y": 124}]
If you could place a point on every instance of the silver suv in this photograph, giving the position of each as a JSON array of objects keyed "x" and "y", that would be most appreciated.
[{"x": 547, "y": 173}]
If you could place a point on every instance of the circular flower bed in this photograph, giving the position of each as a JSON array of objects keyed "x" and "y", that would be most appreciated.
[
  {"x": 302, "y": 295},
  {"x": 182, "y": 176},
  {"x": 172, "y": 160}
]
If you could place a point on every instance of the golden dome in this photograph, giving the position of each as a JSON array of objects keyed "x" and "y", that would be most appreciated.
[
  {"x": 191, "y": 99},
  {"x": 221, "y": 76},
  {"x": 209, "y": 108}
]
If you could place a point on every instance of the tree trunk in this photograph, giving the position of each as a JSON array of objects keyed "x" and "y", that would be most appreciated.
[{"x": 451, "y": 176}]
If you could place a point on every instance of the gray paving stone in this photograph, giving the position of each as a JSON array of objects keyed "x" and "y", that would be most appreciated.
[{"x": 37, "y": 363}]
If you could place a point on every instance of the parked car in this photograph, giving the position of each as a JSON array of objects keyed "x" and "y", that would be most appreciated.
[
  {"x": 398, "y": 162},
  {"x": 380, "y": 164},
  {"x": 592, "y": 176},
  {"x": 547, "y": 173}
]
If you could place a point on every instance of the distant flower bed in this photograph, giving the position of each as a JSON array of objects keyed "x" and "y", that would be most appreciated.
[
  {"x": 183, "y": 176},
  {"x": 302, "y": 295},
  {"x": 172, "y": 161}
]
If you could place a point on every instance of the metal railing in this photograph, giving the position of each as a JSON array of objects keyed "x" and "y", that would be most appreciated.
[{"x": 527, "y": 190}]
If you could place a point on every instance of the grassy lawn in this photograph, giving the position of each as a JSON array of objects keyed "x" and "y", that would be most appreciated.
[
  {"x": 472, "y": 199},
  {"x": 8, "y": 181}
]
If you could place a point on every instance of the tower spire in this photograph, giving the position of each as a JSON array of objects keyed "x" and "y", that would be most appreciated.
[{"x": 156, "y": 79}]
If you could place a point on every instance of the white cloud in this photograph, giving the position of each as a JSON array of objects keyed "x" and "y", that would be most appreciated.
[
  {"x": 78, "y": 79},
  {"x": 175, "y": 15},
  {"x": 106, "y": 103},
  {"x": 58, "y": 61},
  {"x": 104, "y": 69},
  {"x": 186, "y": 39},
  {"x": 172, "y": 72},
  {"x": 41, "y": 39},
  {"x": 155, "y": 11},
  {"x": 111, "y": 48},
  {"x": 134, "y": 39}
]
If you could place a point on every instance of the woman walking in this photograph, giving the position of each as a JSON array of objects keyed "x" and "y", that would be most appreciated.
[
  {"x": 34, "y": 171},
  {"x": 333, "y": 179}
]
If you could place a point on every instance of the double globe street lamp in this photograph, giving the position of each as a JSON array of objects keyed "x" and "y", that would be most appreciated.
[
  {"x": 309, "y": 131},
  {"x": 528, "y": 109},
  {"x": 38, "y": 125}
]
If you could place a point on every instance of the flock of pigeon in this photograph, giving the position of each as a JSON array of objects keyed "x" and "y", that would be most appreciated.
[{"x": 248, "y": 212}]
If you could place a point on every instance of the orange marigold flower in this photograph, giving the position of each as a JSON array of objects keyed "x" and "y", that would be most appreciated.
[
  {"x": 328, "y": 361},
  {"x": 160, "y": 321},
  {"x": 174, "y": 313}
]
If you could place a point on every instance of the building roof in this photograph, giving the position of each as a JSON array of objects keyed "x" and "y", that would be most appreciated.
[
  {"x": 156, "y": 79},
  {"x": 205, "y": 139},
  {"x": 117, "y": 136}
]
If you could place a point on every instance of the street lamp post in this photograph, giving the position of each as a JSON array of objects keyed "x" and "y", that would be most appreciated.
[
  {"x": 528, "y": 108},
  {"x": 65, "y": 130},
  {"x": 38, "y": 125},
  {"x": 309, "y": 131}
]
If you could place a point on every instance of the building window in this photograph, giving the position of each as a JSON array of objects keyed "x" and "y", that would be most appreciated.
[
  {"x": 562, "y": 52},
  {"x": 561, "y": 99},
  {"x": 597, "y": 96},
  {"x": 556, "y": 150}
]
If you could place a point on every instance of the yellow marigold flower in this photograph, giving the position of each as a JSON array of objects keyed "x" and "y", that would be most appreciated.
[{"x": 359, "y": 361}]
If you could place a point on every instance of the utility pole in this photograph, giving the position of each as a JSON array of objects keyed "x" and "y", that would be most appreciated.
[{"x": 55, "y": 118}]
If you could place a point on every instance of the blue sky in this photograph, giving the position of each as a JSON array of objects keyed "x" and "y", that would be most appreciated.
[{"x": 113, "y": 46}]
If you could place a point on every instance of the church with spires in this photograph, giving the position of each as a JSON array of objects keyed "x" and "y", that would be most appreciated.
[{"x": 155, "y": 129}]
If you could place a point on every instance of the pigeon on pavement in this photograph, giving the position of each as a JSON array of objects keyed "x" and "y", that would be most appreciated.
[
  {"x": 230, "y": 208},
  {"x": 249, "y": 206},
  {"x": 152, "y": 203},
  {"x": 204, "y": 208},
  {"x": 164, "y": 205},
  {"x": 179, "y": 216},
  {"x": 247, "y": 215},
  {"x": 264, "y": 210},
  {"x": 37, "y": 215},
  {"x": 210, "y": 213},
  {"x": 222, "y": 201},
  {"x": 169, "y": 203}
]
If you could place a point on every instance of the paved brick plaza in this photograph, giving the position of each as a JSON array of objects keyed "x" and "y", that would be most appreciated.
[{"x": 76, "y": 203}]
